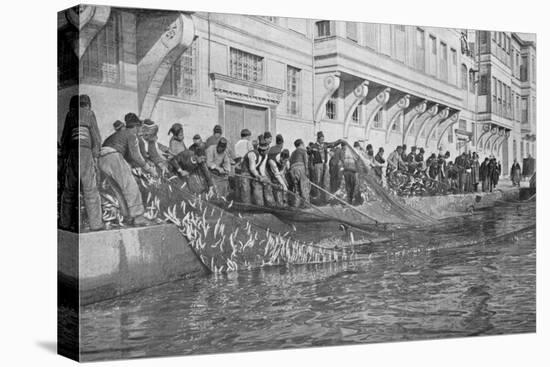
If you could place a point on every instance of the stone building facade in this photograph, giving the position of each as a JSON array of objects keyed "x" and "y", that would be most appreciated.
[{"x": 383, "y": 84}]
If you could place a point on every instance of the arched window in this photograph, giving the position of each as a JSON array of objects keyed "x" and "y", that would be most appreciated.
[
  {"x": 472, "y": 81},
  {"x": 464, "y": 77}
]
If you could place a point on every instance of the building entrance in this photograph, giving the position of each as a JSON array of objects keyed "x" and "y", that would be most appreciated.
[{"x": 239, "y": 116}]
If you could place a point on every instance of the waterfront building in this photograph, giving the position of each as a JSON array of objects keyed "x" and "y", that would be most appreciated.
[{"x": 437, "y": 88}]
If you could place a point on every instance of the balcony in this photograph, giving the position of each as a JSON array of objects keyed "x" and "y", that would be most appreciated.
[{"x": 338, "y": 54}]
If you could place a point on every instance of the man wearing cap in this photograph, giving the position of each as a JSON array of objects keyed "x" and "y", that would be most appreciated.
[
  {"x": 243, "y": 146},
  {"x": 379, "y": 159},
  {"x": 215, "y": 137},
  {"x": 118, "y": 151},
  {"x": 319, "y": 155},
  {"x": 197, "y": 143},
  {"x": 80, "y": 143},
  {"x": 218, "y": 162},
  {"x": 149, "y": 133},
  {"x": 190, "y": 166},
  {"x": 395, "y": 160},
  {"x": 268, "y": 138},
  {"x": 277, "y": 166},
  {"x": 299, "y": 174},
  {"x": 349, "y": 163},
  {"x": 419, "y": 159},
  {"x": 254, "y": 176},
  {"x": 404, "y": 153},
  {"x": 411, "y": 162},
  {"x": 117, "y": 125}
]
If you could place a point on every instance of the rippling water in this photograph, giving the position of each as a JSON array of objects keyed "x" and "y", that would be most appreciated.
[{"x": 470, "y": 276}]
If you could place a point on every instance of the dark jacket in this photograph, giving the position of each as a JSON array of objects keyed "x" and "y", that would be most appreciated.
[
  {"x": 126, "y": 143},
  {"x": 80, "y": 130}
]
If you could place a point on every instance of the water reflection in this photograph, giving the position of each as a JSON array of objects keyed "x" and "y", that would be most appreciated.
[{"x": 460, "y": 279}]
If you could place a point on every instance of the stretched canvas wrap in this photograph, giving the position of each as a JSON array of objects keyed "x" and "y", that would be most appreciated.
[{"x": 231, "y": 182}]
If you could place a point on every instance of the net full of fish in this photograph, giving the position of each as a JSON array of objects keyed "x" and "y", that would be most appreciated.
[{"x": 222, "y": 240}]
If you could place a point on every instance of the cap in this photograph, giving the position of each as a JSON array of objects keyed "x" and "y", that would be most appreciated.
[
  {"x": 413, "y": 148},
  {"x": 132, "y": 120},
  {"x": 320, "y": 134},
  {"x": 262, "y": 143},
  {"x": 245, "y": 133},
  {"x": 356, "y": 144},
  {"x": 217, "y": 129},
  {"x": 222, "y": 143},
  {"x": 285, "y": 154},
  {"x": 380, "y": 149},
  {"x": 298, "y": 142},
  {"x": 118, "y": 125},
  {"x": 267, "y": 135},
  {"x": 148, "y": 122},
  {"x": 196, "y": 137},
  {"x": 279, "y": 139},
  {"x": 422, "y": 150}
]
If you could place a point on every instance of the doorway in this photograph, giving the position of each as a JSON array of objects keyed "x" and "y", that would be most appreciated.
[{"x": 239, "y": 116}]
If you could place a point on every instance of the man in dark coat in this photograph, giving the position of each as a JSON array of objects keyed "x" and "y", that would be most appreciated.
[
  {"x": 491, "y": 169},
  {"x": 515, "y": 173},
  {"x": 483, "y": 174},
  {"x": 80, "y": 144}
]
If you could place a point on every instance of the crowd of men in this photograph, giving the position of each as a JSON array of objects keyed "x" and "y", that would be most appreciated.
[{"x": 253, "y": 171}]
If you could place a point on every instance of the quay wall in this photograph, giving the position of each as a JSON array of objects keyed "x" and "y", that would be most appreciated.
[{"x": 116, "y": 262}]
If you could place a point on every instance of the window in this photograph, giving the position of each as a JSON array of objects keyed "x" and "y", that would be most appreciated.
[
  {"x": 534, "y": 109},
  {"x": 371, "y": 35},
  {"x": 330, "y": 107},
  {"x": 246, "y": 66},
  {"x": 293, "y": 89},
  {"x": 397, "y": 123},
  {"x": 450, "y": 134},
  {"x": 351, "y": 31},
  {"x": 385, "y": 39},
  {"x": 464, "y": 77},
  {"x": 100, "y": 63},
  {"x": 524, "y": 69},
  {"x": 420, "y": 52},
  {"x": 494, "y": 100},
  {"x": 524, "y": 111},
  {"x": 462, "y": 125},
  {"x": 499, "y": 97},
  {"x": 453, "y": 65},
  {"x": 323, "y": 28},
  {"x": 183, "y": 78},
  {"x": 355, "y": 115},
  {"x": 377, "y": 120},
  {"x": 269, "y": 19},
  {"x": 533, "y": 70},
  {"x": 483, "y": 85},
  {"x": 400, "y": 46},
  {"x": 433, "y": 56},
  {"x": 472, "y": 81},
  {"x": 444, "y": 63},
  {"x": 522, "y": 149},
  {"x": 518, "y": 110},
  {"x": 515, "y": 149}
]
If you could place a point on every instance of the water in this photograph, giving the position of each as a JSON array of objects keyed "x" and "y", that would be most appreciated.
[{"x": 464, "y": 278}]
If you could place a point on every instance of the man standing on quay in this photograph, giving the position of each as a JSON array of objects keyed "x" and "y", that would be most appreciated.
[{"x": 80, "y": 142}]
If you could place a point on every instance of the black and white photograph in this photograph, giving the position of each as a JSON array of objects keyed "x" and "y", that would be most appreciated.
[{"x": 274, "y": 184}]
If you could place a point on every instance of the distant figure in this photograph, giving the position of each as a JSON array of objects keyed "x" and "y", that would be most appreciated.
[
  {"x": 254, "y": 176},
  {"x": 349, "y": 163},
  {"x": 197, "y": 144},
  {"x": 484, "y": 174},
  {"x": 395, "y": 161},
  {"x": 515, "y": 173},
  {"x": 176, "y": 145},
  {"x": 475, "y": 171},
  {"x": 319, "y": 156},
  {"x": 243, "y": 146},
  {"x": 299, "y": 174},
  {"x": 277, "y": 167},
  {"x": 335, "y": 169},
  {"x": 379, "y": 159},
  {"x": 153, "y": 149},
  {"x": 215, "y": 137}
]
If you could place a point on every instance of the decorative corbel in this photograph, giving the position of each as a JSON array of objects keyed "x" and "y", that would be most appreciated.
[
  {"x": 438, "y": 119},
  {"x": 331, "y": 84},
  {"x": 412, "y": 115},
  {"x": 494, "y": 132},
  {"x": 424, "y": 117},
  {"x": 395, "y": 111},
  {"x": 375, "y": 105},
  {"x": 451, "y": 120},
  {"x": 360, "y": 92},
  {"x": 155, "y": 65},
  {"x": 486, "y": 129},
  {"x": 88, "y": 20}
]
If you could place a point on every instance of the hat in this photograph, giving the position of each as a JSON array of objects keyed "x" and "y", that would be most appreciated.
[
  {"x": 399, "y": 147},
  {"x": 262, "y": 144},
  {"x": 381, "y": 149},
  {"x": 217, "y": 129},
  {"x": 413, "y": 148},
  {"x": 320, "y": 134},
  {"x": 422, "y": 150},
  {"x": 245, "y": 133},
  {"x": 369, "y": 146},
  {"x": 222, "y": 143},
  {"x": 298, "y": 142},
  {"x": 132, "y": 120},
  {"x": 175, "y": 129},
  {"x": 285, "y": 154},
  {"x": 196, "y": 137},
  {"x": 148, "y": 122},
  {"x": 279, "y": 139},
  {"x": 118, "y": 125},
  {"x": 267, "y": 135},
  {"x": 85, "y": 100},
  {"x": 356, "y": 144}
]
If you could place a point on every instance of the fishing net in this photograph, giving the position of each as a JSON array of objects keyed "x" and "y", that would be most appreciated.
[{"x": 223, "y": 241}]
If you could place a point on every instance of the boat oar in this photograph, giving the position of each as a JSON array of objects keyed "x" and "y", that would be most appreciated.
[{"x": 343, "y": 202}]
